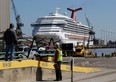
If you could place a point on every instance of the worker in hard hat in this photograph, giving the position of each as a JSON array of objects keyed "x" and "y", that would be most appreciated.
[{"x": 57, "y": 61}]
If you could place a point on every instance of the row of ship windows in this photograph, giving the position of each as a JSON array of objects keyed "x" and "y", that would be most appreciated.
[
  {"x": 71, "y": 28},
  {"x": 77, "y": 30},
  {"x": 64, "y": 28},
  {"x": 49, "y": 20},
  {"x": 48, "y": 31},
  {"x": 67, "y": 30},
  {"x": 70, "y": 22},
  {"x": 85, "y": 33},
  {"x": 52, "y": 18},
  {"x": 76, "y": 26},
  {"x": 68, "y": 26},
  {"x": 75, "y": 37},
  {"x": 50, "y": 25}
]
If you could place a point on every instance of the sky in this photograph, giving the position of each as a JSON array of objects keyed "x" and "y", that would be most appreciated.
[{"x": 101, "y": 13}]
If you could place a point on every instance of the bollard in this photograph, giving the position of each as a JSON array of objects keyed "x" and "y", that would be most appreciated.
[
  {"x": 96, "y": 55},
  {"x": 112, "y": 54},
  {"x": 102, "y": 54},
  {"x": 72, "y": 64}
]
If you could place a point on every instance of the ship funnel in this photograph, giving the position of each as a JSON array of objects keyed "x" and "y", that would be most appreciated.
[{"x": 73, "y": 15}]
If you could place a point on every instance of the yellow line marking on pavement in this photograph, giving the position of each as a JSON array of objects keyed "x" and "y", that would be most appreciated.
[{"x": 48, "y": 65}]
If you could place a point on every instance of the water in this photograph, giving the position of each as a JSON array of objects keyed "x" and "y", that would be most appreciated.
[{"x": 106, "y": 51}]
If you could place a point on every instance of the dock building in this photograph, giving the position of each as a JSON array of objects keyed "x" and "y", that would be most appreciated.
[{"x": 4, "y": 15}]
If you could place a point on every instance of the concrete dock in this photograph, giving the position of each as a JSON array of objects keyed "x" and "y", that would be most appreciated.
[{"x": 104, "y": 71}]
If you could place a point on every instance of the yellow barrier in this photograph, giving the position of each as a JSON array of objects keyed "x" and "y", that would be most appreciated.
[{"x": 34, "y": 63}]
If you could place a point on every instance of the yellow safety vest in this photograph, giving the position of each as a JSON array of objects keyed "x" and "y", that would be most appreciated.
[{"x": 60, "y": 55}]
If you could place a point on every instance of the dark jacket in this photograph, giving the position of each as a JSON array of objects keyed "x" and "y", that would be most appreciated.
[{"x": 10, "y": 37}]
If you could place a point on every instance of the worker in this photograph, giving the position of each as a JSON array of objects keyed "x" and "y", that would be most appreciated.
[
  {"x": 58, "y": 61},
  {"x": 10, "y": 41}
]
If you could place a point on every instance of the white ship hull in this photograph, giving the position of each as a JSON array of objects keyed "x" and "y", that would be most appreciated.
[{"x": 45, "y": 38}]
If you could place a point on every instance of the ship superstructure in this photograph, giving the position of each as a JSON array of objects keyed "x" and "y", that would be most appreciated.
[{"x": 59, "y": 28}]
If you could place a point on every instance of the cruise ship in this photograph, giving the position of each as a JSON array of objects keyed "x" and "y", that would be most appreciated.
[{"x": 60, "y": 28}]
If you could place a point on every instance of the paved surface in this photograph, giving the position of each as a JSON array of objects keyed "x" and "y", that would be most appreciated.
[{"x": 107, "y": 73}]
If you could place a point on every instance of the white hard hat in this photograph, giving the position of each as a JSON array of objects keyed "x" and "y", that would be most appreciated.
[{"x": 57, "y": 44}]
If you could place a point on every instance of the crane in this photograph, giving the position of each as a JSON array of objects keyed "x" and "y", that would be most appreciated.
[
  {"x": 19, "y": 24},
  {"x": 91, "y": 32}
]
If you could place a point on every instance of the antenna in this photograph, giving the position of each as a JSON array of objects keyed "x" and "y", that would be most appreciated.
[{"x": 57, "y": 10}]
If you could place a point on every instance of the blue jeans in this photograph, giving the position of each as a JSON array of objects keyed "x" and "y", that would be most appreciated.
[{"x": 9, "y": 50}]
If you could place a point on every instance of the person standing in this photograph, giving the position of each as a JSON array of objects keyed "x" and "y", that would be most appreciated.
[
  {"x": 58, "y": 61},
  {"x": 10, "y": 42}
]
